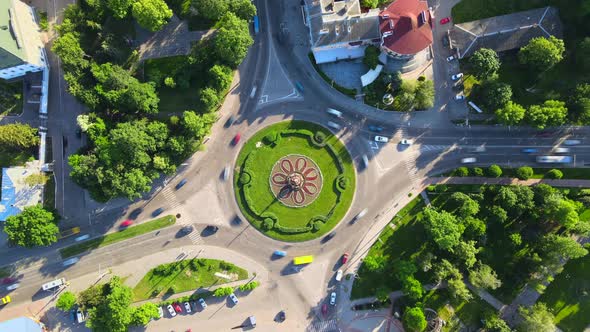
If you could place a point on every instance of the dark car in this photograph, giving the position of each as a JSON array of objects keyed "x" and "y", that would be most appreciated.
[
  {"x": 328, "y": 237},
  {"x": 181, "y": 183},
  {"x": 375, "y": 129},
  {"x": 458, "y": 87},
  {"x": 445, "y": 40},
  {"x": 230, "y": 121},
  {"x": 157, "y": 212},
  {"x": 186, "y": 230},
  {"x": 211, "y": 229},
  {"x": 282, "y": 316}
]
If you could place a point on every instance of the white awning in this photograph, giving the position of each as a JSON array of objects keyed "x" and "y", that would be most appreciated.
[{"x": 371, "y": 75}]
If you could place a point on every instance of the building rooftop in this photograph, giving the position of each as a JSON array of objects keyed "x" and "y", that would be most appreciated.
[
  {"x": 406, "y": 26},
  {"x": 19, "y": 35},
  {"x": 16, "y": 194},
  {"x": 22, "y": 324},
  {"x": 506, "y": 32}
]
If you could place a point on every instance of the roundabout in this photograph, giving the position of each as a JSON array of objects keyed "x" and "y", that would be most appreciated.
[{"x": 294, "y": 181}]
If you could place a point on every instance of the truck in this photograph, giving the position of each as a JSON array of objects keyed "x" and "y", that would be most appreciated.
[
  {"x": 52, "y": 284},
  {"x": 554, "y": 159},
  {"x": 301, "y": 260}
]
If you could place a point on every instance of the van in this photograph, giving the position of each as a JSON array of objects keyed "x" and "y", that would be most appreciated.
[
  {"x": 334, "y": 112},
  {"x": 80, "y": 317},
  {"x": 252, "y": 321},
  {"x": 333, "y": 125}
]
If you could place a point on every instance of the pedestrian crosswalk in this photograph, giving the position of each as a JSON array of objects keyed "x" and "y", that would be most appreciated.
[{"x": 323, "y": 326}]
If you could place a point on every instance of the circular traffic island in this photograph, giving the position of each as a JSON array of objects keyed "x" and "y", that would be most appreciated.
[{"x": 294, "y": 181}]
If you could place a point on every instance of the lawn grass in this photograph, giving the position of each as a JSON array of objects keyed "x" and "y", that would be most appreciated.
[
  {"x": 568, "y": 296},
  {"x": 452, "y": 311},
  {"x": 11, "y": 98},
  {"x": 15, "y": 158},
  {"x": 538, "y": 173},
  {"x": 49, "y": 193},
  {"x": 125, "y": 234},
  {"x": 185, "y": 275},
  {"x": 471, "y": 10},
  {"x": 261, "y": 160}
]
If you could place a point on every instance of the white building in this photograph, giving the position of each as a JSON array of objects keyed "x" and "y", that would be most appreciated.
[{"x": 21, "y": 49}]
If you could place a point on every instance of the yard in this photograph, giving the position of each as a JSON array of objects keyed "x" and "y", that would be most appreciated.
[
  {"x": 185, "y": 275},
  {"x": 11, "y": 98},
  {"x": 455, "y": 312}
]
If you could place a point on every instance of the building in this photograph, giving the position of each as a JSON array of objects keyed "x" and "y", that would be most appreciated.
[
  {"x": 17, "y": 193},
  {"x": 406, "y": 29},
  {"x": 22, "y": 324},
  {"x": 21, "y": 49},
  {"x": 506, "y": 32},
  {"x": 338, "y": 30}
]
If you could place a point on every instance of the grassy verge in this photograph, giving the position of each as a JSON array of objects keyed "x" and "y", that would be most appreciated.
[
  {"x": 346, "y": 91},
  {"x": 49, "y": 193},
  {"x": 125, "y": 234},
  {"x": 538, "y": 173},
  {"x": 567, "y": 295}
]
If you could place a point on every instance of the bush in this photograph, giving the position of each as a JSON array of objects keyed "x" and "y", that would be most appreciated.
[
  {"x": 317, "y": 225},
  {"x": 495, "y": 171},
  {"x": 249, "y": 286},
  {"x": 291, "y": 230},
  {"x": 342, "y": 182},
  {"x": 524, "y": 172},
  {"x": 431, "y": 188},
  {"x": 223, "y": 291},
  {"x": 245, "y": 178},
  {"x": 272, "y": 138},
  {"x": 554, "y": 174},
  {"x": 476, "y": 171},
  {"x": 267, "y": 224},
  {"x": 441, "y": 188},
  {"x": 318, "y": 139},
  {"x": 461, "y": 171}
]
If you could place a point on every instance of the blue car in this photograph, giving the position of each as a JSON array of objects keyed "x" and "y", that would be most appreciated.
[
  {"x": 529, "y": 150},
  {"x": 376, "y": 129},
  {"x": 279, "y": 253},
  {"x": 157, "y": 212},
  {"x": 299, "y": 86},
  {"x": 181, "y": 183}
]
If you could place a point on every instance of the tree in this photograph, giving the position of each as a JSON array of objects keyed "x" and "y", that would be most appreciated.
[
  {"x": 424, "y": 95},
  {"x": 403, "y": 269},
  {"x": 582, "y": 54},
  {"x": 485, "y": 63},
  {"x": 506, "y": 198},
  {"x": 197, "y": 126},
  {"x": 220, "y": 76},
  {"x": 374, "y": 263},
  {"x": 443, "y": 228},
  {"x": 71, "y": 54},
  {"x": 243, "y": 9},
  {"x": 18, "y": 136},
  {"x": 92, "y": 296},
  {"x": 579, "y": 103},
  {"x": 151, "y": 14},
  {"x": 414, "y": 320},
  {"x": 211, "y": 9},
  {"x": 497, "y": 214},
  {"x": 232, "y": 40},
  {"x": 563, "y": 211},
  {"x": 495, "y": 171},
  {"x": 496, "y": 324},
  {"x": 142, "y": 315},
  {"x": 474, "y": 227},
  {"x": 113, "y": 313},
  {"x": 404, "y": 102},
  {"x": 412, "y": 288},
  {"x": 223, "y": 291},
  {"x": 550, "y": 113},
  {"x": 459, "y": 290},
  {"x": 371, "y": 58},
  {"x": 554, "y": 174},
  {"x": 34, "y": 226},
  {"x": 484, "y": 277},
  {"x": 249, "y": 286},
  {"x": 542, "y": 53},
  {"x": 511, "y": 114},
  {"x": 209, "y": 99},
  {"x": 537, "y": 318},
  {"x": 120, "y": 8},
  {"x": 464, "y": 205},
  {"x": 524, "y": 172},
  {"x": 524, "y": 200},
  {"x": 66, "y": 301},
  {"x": 461, "y": 171},
  {"x": 466, "y": 251},
  {"x": 382, "y": 293},
  {"x": 555, "y": 248},
  {"x": 544, "y": 193},
  {"x": 370, "y": 3},
  {"x": 445, "y": 270},
  {"x": 491, "y": 95}
]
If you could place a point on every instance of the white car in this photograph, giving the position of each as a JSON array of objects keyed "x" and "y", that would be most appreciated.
[
  {"x": 469, "y": 160},
  {"x": 365, "y": 161},
  {"x": 233, "y": 298},
  {"x": 457, "y": 76},
  {"x": 71, "y": 261},
  {"x": 381, "y": 139},
  {"x": 333, "y": 298},
  {"x": 334, "y": 125},
  {"x": 339, "y": 275},
  {"x": 405, "y": 142},
  {"x": 187, "y": 307},
  {"x": 13, "y": 287},
  {"x": 450, "y": 58},
  {"x": 160, "y": 312},
  {"x": 571, "y": 142},
  {"x": 562, "y": 150},
  {"x": 459, "y": 97},
  {"x": 171, "y": 310},
  {"x": 226, "y": 172},
  {"x": 202, "y": 303}
]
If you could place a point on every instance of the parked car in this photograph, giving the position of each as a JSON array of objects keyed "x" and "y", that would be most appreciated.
[
  {"x": 469, "y": 160},
  {"x": 236, "y": 139},
  {"x": 562, "y": 150},
  {"x": 8, "y": 280},
  {"x": 126, "y": 223},
  {"x": 405, "y": 142},
  {"x": 571, "y": 142},
  {"x": 334, "y": 125},
  {"x": 160, "y": 312},
  {"x": 459, "y": 97},
  {"x": 177, "y": 307},
  {"x": 457, "y": 76},
  {"x": 445, "y": 20},
  {"x": 450, "y": 58},
  {"x": 211, "y": 229},
  {"x": 5, "y": 300},
  {"x": 80, "y": 316},
  {"x": 282, "y": 316},
  {"x": 12, "y": 287},
  {"x": 529, "y": 150},
  {"x": 333, "y": 298},
  {"x": 202, "y": 303},
  {"x": 71, "y": 261},
  {"x": 171, "y": 310},
  {"x": 181, "y": 183},
  {"x": 381, "y": 139},
  {"x": 233, "y": 298},
  {"x": 339, "y": 275},
  {"x": 376, "y": 129},
  {"x": 344, "y": 258},
  {"x": 157, "y": 212},
  {"x": 187, "y": 307}
]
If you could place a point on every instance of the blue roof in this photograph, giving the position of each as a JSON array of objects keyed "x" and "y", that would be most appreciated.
[
  {"x": 21, "y": 324},
  {"x": 8, "y": 198}
]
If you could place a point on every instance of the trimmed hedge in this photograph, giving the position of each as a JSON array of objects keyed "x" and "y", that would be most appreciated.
[
  {"x": 341, "y": 183},
  {"x": 291, "y": 230},
  {"x": 461, "y": 171},
  {"x": 319, "y": 139},
  {"x": 524, "y": 172},
  {"x": 494, "y": 171},
  {"x": 554, "y": 174},
  {"x": 477, "y": 171},
  {"x": 245, "y": 178},
  {"x": 272, "y": 139}
]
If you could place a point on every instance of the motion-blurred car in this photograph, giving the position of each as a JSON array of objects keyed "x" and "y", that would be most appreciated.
[
  {"x": 334, "y": 125},
  {"x": 71, "y": 261},
  {"x": 450, "y": 58},
  {"x": 157, "y": 212},
  {"x": 445, "y": 20},
  {"x": 236, "y": 139},
  {"x": 375, "y": 129},
  {"x": 324, "y": 309},
  {"x": 457, "y": 76},
  {"x": 126, "y": 223},
  {"x": 381, "y": 139},
  {"x": 529, "y": 150},
  {"x": 571, "y": 142},
  {"x": 469, "y": 160},
  {"x": 344, "y": 258},
  {"x": 186, "y": 230},
  {"x": 459, "y": 97},
  {"x": 13, "y": 287},
  {"x": 181, "y": 183},
  {"x": 211, "y": 229},
  {"x": 405, "y": 142}
]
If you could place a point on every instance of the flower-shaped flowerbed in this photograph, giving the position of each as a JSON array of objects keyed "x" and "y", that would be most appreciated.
[{"x": 296, "y": 180}]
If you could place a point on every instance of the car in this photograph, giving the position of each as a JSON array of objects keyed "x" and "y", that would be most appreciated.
[
  {"x": 529, "y": 150},
  {"x": 177, "y": 307},
  {"x": 160, "y": 312},
  {"x": 405, "y": 142},
  {"x": 328, "y": 237},
  {"x": 279, "y": 253},
  {"x": 571, "y": 142},
  {"x": 469, "y": 160},
  {"x": 334, "y": 112},
  {"x": 562, "y": 150},
  {"x": 334, "y": 125},
  {"x": 126, "y": 223},
  {"x": 361, "y": 214},
  {"x": 282, "y": 316},
  {"x": 457, "y": 76},
  {"x": 230, "y": 121},
  {"x": 233, "y": 298},
  {"x": 157, "y": 212},
  {"x": 339, "y": 275},
  {"x": 459, "y": 97},
  {"x": 365, "y": 161},
  {"x": 376, "y": 129},
  {"x": 381, "y": 139},
  {"x": 324, "y": 309},
  {"x": 445, "y": 40},
  {"x": 171, "y": 310},
  {"x": 71, "y": 261},
  {"x": 236, "y": 139},
  {"x": 458, "y": 87},
  {"x": 73, "y": 315},
  {"x": 445, "y": 20},
  {"x": 13, "y": 287},
  {"x": 211, "y": 229},
  {"x": 187, "y": 307},
  {"x": 202, "y": 303},
  {"x": 479, "y": 149},
  {"x": 181, "y": 183},
  {"x": 226, "y": 172},
  {"x": 5, "y": 300},
  {"x": 8, "y": 280},
  {"x": 333, "y": 298},
  {"x": 186, "y": 230},
  {"x": 344, "y": 258},
  {"x": 450, "y": 58},
  {"x": 80, "y": 316}
]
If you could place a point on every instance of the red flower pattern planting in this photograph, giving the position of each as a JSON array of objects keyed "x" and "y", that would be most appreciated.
[{"x": 296, "y": 180}]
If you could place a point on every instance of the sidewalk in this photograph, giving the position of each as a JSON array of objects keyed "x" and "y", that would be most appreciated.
[{"x": 507, "y": 181}]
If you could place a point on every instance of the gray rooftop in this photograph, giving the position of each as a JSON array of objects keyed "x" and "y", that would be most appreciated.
[
  {"x": 506, "y": 32},
  {"x": 19, "y": 35}
]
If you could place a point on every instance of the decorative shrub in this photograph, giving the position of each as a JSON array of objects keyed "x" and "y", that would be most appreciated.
[
  {"x": 476, "y": 171},
  {"x": 494, "y": 171},
  {"x": 291, "y": 230},
  {"x": 223, "y": 291},
  {"x": 272, "y": 138},
  {"x": 431, "y": 188},
  {"x": 441, "y": 188},
  {"x": 317, "y": 225},
  {"x": 554, "y": 174},
  {"x": 267, "y": 224},
  {"x": 319, "y": 139},
  {"x": 461, "y": 171},
  {"x": 249, "y": 286},
  {"x": 245, "y": 178},
  {"x": 342, "y": 182},
  {"x": 524, "y": 172}
]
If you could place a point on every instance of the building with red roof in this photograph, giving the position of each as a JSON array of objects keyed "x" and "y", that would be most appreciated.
[{"x": 406, "y": 28}]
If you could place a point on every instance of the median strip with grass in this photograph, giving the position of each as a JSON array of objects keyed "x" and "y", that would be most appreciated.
[{"x": 125, "y": 234}]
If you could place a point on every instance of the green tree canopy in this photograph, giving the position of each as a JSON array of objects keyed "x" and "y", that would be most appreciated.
[
  {"x": 511, "y": 114},
  {"x": 424, "y": 94},
  {"x": 141, "y": 316},
  {"x": 382, "y": 293},
  {"x": 71, "y": 54},
  {"x": 374, "y": 263},
  {"x": 243, "y": 9},
  {"x": 537, "y": 318},
  {"x": 484, "y": 277},
  {"x": 18, "y": 136},
  {"x": 371, "y": 58},
  {"x": 474, "y": 228},
  {"x": 466, "y": 252},
  {"x": 485, "y": 63},
  {"x": 404, "y": 102},
  {"x": 582, "y": 54},
  {"x": 414, "y": 320},
  {"x": 556, "y": 247},
  {"x": 491, "y": 95},
  {"x": 223, "y": 291},
  {"x": 120, "y": 8},
  {"x": 34, "y": 226},
  {"x": 113, "y": 313},
  {"x": 497, "y": 214},
  {"x": 542, "y": 53},
  {"x": 370, "y": 3},
  {"x": 197, "y": 126},
  {"x": 443, "y": 228},
  {"x": 463, "y": 205},
  {"x": 579, "y": 103},
  {"x": 494, "y": 171},
  {"x": 232, "y": 40},
  {"x": 220, "y": 76},
  {"x": 211, "y": 9},
  {"x": 496, "y": 324},
  {"x": 550, "y": 113},
  {"x": 445, "y": 270},
  {"x": 209, "y": 99},
  {"x": 459, "y": 290},
  {"x": 66, "y": 301},
  {"x": 412, "y": 288},
  {"x": 151, "y": 14}
]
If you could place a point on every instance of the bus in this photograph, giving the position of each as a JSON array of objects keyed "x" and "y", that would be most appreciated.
[
  {"x": 53, "y": 284},
  {"x": 256, "y": 24},
  {"x": 302, "y": 260},
  {"x": 554, "y": 159}
]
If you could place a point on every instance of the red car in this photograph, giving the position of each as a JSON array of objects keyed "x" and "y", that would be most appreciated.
[
  {"x": 236, "y": 139},
  {"x": 177, "y": 308},
  {"x": 126, "y": 223},
  {"x": 445, "y": 20},
  {"x": 8, "y": 280},
  {"x": 324, "y": 309},
  {"x": 345, "y": 258}
]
